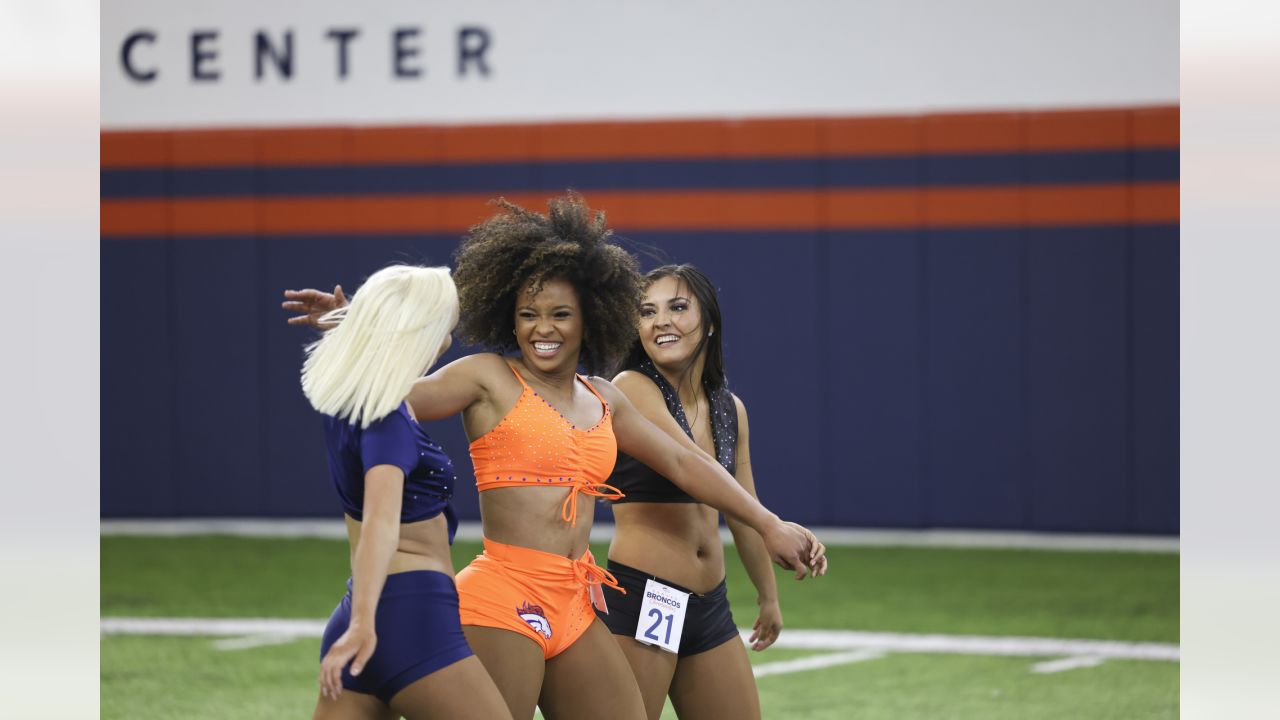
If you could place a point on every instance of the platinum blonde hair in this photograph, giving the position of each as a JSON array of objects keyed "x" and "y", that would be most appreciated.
[{"x": 393, "y": 330}]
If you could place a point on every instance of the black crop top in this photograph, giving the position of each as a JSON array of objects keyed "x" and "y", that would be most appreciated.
[{"x": 642, "y": 484}]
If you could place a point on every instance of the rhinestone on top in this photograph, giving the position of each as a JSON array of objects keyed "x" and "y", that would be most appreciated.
[{"x": 723, "y": 431}]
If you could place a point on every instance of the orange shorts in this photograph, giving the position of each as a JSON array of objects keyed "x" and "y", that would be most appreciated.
[{"x": 545, "y": 597}]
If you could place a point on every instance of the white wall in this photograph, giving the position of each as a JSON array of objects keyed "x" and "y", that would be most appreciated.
[{"x": 596, "y": 59}]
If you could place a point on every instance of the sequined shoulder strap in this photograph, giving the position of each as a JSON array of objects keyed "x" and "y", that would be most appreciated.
[{"x": 669, "y": 394}]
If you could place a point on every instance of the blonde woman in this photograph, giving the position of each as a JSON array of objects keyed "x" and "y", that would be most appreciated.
[{"x": 394, "y": 646}]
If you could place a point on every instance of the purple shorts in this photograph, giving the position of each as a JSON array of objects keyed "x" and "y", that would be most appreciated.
[{"x": 418, "y": 633}]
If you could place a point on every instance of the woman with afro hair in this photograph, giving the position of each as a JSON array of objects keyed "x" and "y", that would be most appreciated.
[{"x": 549, "y": 294}]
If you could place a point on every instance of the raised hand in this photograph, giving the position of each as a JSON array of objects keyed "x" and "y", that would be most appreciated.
[{"x": 310, "y": 305}]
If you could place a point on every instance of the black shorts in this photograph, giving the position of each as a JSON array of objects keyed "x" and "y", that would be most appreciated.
[{"x": 707, "y": 622}]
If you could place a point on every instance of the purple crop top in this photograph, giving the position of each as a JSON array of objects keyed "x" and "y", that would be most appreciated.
[{"x": 397, "y": 440}]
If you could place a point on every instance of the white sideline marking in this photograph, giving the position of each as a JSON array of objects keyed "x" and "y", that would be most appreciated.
[
  {"x": 790, "y": 639},
  {"x": 252, "y": 641},
  {"x": 326, "y": 529},
  {"x": 974, "y": 645},
  {"x": 217, "y": 627},
  {"x": 1071, "y": 663},
  {"x": 603, "y": 532},
  {"x": 815, "y": 662}
]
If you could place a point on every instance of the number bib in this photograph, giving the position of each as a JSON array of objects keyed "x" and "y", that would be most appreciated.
[{"x": 662, "y": 616}]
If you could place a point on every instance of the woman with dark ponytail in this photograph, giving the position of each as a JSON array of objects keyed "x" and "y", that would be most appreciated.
[{"x": 674, "y": 375}]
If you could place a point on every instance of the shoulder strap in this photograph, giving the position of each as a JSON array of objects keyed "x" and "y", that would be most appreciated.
[
  {"x": 593, "y": 391},
  {"x": 518, "y": 376},
  {"x": 724, "y": 425},
  {"x": 669, "y": 395}
]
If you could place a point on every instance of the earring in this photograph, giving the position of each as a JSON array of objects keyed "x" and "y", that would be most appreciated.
[{"x": 710, "y": 333}]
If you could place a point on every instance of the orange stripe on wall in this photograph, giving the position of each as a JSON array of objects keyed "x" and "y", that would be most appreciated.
[
  {"x": 1076, "y": 205},
  {"x": 636, "y": 139},
  {"x": 799, "y": 137},
  {"x": 965, "y": 207},
  {"x": 307, "y": 146},
  {"x": 133, "y": 149},
  {"x": 771, "y": 210},
  {"x": 1082, "y": 130},
  {"x": 214, "y": 148},
  {"x": 1156, "y": 202},
  {"x": 873, "y": 208},
  {"x": 873, "y": 136},
  {"x": 140, "y": 218},
  {"x": 1156, "y": 127},
  {"x": 973, "y": 132},
  {"x": 231, "y": 216}
]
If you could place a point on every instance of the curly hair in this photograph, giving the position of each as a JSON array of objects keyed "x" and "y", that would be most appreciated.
[{"x": 518, "y": 247}]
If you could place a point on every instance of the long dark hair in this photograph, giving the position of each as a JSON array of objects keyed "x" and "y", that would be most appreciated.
[{"x": 700, "y": 285}]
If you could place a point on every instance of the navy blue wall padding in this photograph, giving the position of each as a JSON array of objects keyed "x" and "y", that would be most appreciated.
[
  {"x": 1078, "y": 383},
  {"x": 985, "y": 378},
  {"x": 873, "y": 437},
  {"x": 973, "y": 384},
  {"x": 1154, "y": 303},
  {"x": 138, "y": 391}
]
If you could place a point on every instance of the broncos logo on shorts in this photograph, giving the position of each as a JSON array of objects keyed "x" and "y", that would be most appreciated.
[{"x": 536, "y": 618}]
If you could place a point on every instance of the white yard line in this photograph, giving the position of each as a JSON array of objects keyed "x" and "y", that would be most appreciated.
[
  {"x": 815, "y": 662},
  {"x": 248, "y": 642},
  {"x": 242, "y": 629},
  {"x": 975, "y": 645},
  {"x": 1070, "y": 663},
  {"x": 237, "y": 527},
  {"x": 214, "y": 627},
  {"x": 603, "y": 532}
]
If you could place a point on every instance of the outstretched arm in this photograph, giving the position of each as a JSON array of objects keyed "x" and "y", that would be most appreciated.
[
  {"x": 454, "y": 387},
  {"x": 679, "y": 460}
]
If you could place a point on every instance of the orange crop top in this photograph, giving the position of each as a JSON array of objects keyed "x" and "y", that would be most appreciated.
[{"x": 536, "y": 445}]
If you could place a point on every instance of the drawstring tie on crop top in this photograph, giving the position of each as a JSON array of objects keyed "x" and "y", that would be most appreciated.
[{"x": 569, "y": 510}]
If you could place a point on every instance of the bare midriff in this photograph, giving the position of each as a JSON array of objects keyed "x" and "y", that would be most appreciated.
[
  {"x": 678, "y": 542},
  {"x": 532, "y": 517},
  {"x": 424, "y": 545}
]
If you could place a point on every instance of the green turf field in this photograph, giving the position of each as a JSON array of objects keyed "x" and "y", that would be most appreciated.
[{"x": 1108, "y": 596}]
